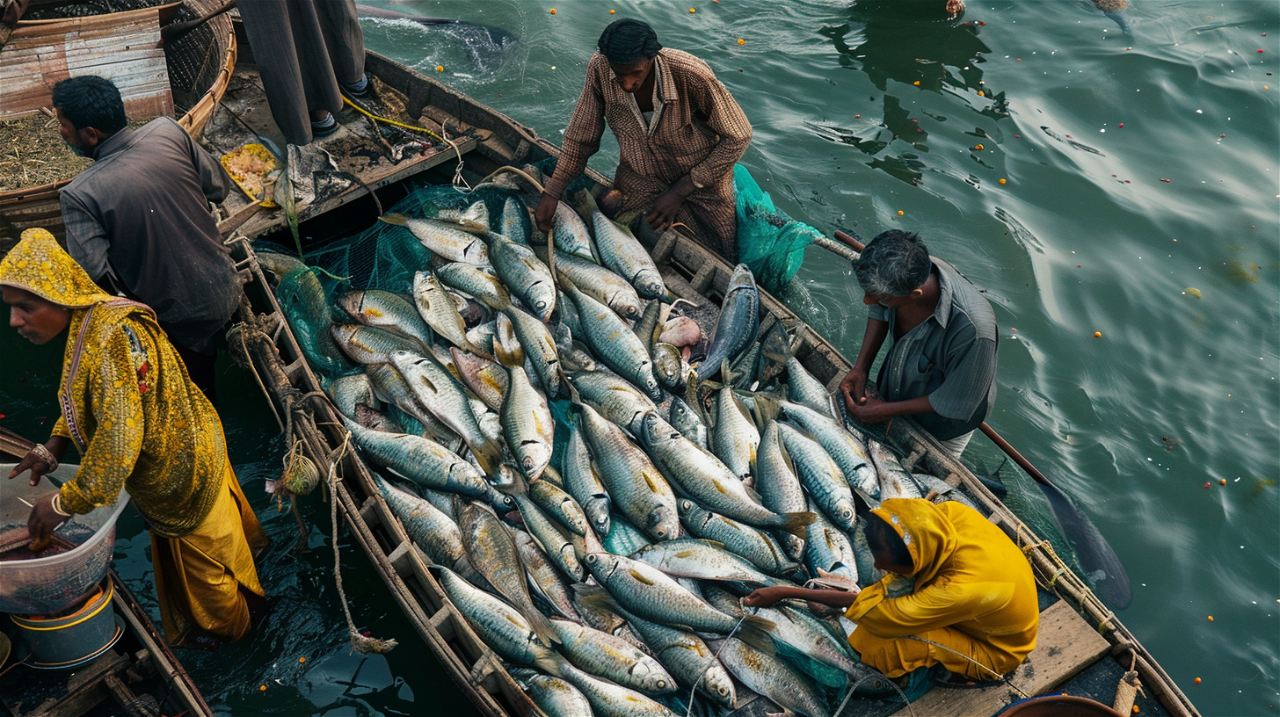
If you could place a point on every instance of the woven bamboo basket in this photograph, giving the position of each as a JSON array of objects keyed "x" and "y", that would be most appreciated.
[{"x": 199, "y": 66}]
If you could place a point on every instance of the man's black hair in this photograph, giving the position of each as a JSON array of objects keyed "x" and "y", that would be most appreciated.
[
  {"x": 627, "y": 41},
  {"x": 885, "y": 541},
  {"x": 90, "y": 101},
  {"x": 893, "y": 264}
]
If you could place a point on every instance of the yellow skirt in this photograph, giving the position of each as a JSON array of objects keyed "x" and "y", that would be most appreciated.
[{"x": 202, "y": 578}]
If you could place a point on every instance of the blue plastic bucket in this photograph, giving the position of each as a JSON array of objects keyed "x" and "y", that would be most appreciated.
[{"x": 70, "y": 640}]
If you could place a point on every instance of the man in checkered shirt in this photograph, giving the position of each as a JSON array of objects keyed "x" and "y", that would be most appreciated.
[{"x": 679, "y": 133}]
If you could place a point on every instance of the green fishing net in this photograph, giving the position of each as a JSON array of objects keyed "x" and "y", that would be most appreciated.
[{"x": 769, "y": 242}]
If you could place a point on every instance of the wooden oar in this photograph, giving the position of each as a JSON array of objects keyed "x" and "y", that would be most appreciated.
[
  {"x": 13, "y": 444},
  {"x": 1095, "y": 553}
]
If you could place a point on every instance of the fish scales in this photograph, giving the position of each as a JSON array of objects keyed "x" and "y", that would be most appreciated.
[
  {"x": 420, "y": 460},
  {"x": 612, "y": 658},
  {"x": 820, "y": 475},
  {"x": 756, "y": 545},
  {"x": 597, "y": 282},
  {"x": 734, "y": 437},
  {"x": 613, "y": 342},
  {"x": 778, "y": 486},
  {"x": 845, "y": 449},
  {"x": 738, "y": 323},
  {"x": 583, "y": 482}
]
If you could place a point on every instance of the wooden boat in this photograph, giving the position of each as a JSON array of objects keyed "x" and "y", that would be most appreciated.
[
  {"x": 1079, "y": 637},
  {"x": 199, "y": 66}
]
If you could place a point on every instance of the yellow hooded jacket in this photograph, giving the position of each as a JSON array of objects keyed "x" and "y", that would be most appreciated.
[
  {"x": 127, "y": 402},
  {"x": 974, "y": 592}
]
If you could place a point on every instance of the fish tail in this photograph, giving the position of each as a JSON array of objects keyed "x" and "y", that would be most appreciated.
[
  {"x": 542, "y": 627},
  {"x": 488, "y": 455},
  {"x": 755, "y": 631},
  {"x": 796, "y": 522},
  {"x": 585, "y": 202},
  {"x": 399, "y": 220},
  {"x": 551, "y": 663}
]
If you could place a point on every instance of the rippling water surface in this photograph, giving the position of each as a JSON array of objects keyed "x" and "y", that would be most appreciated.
[{"x": 1139, "y": 201}]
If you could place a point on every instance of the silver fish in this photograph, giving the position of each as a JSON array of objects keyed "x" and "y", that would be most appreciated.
[
  {"x": 734, "y": 437},
  {"x": 486, "y": 379},
  {"x": 474, "y": 217},
  {"x": 668, "y": 367},
  {"x": 778, "y": 486},
  {"x": 552, "y": 695},
  {"x": 440, "y": 393},
  {"x": 806, "y": 390},
  {"x": 649, "y": 593},
  {"x": 739, "y": 322},
  {"x": 687, "y": 421},
  {"x": 688, "y": 659},
  {"x": 941, "y": 491},
  {"x": 388, "y": 311},
  {"x": 558, "y": 504},
  {"x": 553, "y": 539},
  {"x": 390, "y": 388},
  {"x": 895, "y": 482},
  {"x": 420, "y": 460},
  {"x": 370, "y": 345},
  {"x": 612, "y": 658},
  {"x": 443, "y": 239},
  {"x": 597, "y": 282},
  {"x": 350, "y": 391},
  {"x": 844, "y": 448},
  {"x": 615, "y": 398},
  {"x": 514, "y": 223},
  {"x": 612, "y": 341},
  {"x": 523, "y": 274},
  {"x": 820, "y": 475},
  {"x": 583, "y": 482},
  {"x": 774, "y": 678},
  {"x": 622, "y": 252},
  {"x": 703, "y": 477},
  {"x": 439, "y": 310},
  {"x": 527, "y": 423},
  {"x": 570, "y": 233},
  {"x": 501, "y": 627},
  {"x": 478, "y": 281},
  {"x": 703, "y": 560},
  {"x": 427, "y": 527},
  {"x": 610, "y": 700},
  {"x": 544, "y": 579},
  {"x": 376, "y": 421},
  {"x": 623, "y": 539},
  {"x": 754, "y": 544},
  {"x": 492, "y": 552},
  {"x": 635, "y": 486},
  {"x": 538, "y": 345},
  {"x": 828, "y": 551}
]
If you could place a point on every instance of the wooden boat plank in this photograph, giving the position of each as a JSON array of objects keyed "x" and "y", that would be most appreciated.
[
  {"x": 1066, "y": 644},
  {"x": 124, "y": 47}
]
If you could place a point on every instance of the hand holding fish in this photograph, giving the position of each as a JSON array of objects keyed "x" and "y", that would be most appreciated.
[
  {"x": 854, "y": 386},
  {"x": 765, "y": 597}
]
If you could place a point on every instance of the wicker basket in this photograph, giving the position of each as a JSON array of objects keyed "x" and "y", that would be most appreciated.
[{"x": 199, "y": 65}]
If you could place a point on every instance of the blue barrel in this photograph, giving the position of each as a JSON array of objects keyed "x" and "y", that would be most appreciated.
[{"x": 70, "y": 640}]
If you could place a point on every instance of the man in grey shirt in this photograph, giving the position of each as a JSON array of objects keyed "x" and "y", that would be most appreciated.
[
  {"x": 138, "y": 219},
  {"x": 941, "y": 367}
]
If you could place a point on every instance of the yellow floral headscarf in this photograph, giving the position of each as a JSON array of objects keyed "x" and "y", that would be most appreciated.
[
  {"x": 928, "y": 533},
  {"x": 38, "y": 265}
]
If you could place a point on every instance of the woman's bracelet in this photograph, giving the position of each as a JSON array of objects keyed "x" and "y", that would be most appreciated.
[
  {"x": 45, "y": 455},
  {"x": 57, "y": 506}
]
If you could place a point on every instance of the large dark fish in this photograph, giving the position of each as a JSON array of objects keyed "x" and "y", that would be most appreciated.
[{"x": 739, "y": 322}]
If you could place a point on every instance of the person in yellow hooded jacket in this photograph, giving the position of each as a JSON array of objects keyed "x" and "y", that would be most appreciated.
[
  {"x": 139, "y": 424},
  {"x": 972, "y": 607}
]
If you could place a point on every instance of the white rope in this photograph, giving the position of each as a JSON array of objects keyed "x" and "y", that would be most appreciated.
[
  {"x": 714, "y": 659},
  {"x": 999, "y": 676}
]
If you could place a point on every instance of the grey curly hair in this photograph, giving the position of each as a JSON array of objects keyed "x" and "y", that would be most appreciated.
[{"x": 894, "y": 263}]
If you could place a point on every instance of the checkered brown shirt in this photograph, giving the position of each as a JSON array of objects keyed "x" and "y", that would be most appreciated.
[{"x": 699, "y": 130}]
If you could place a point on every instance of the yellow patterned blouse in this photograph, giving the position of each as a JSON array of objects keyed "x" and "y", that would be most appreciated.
[{"x": 127, "y": 403}]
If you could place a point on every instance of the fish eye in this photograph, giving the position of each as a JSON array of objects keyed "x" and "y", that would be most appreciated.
[
  {"x": 591, "y": 557},
  {"x": 724, "y": 691},
  {"x": 662, "y": 684}
]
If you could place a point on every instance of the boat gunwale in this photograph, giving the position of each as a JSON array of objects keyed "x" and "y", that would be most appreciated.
[{"x": 677, "y": 247}]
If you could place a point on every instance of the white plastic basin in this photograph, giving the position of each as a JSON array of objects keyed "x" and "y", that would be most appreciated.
[{"x": 44, "y": 586}]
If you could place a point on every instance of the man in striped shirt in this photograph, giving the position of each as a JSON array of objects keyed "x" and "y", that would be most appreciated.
[{"x": 679, "y": 134}]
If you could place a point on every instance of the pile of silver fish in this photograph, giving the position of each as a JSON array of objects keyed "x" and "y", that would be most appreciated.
[{"x": 601, "y": 548}]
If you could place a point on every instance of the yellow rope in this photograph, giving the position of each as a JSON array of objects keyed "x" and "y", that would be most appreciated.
[{"x": 372, "y": 116}]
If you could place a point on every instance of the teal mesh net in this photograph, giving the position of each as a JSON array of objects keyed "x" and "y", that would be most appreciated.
[{"x": 769, "y": 241}]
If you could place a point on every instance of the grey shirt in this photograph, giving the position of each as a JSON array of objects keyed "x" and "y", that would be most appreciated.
[
  {"x": 139, "y": 216},
  {"x": 950, "y": 357}
]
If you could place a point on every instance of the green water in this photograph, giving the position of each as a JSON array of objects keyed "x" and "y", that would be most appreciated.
[{"x": 1080, "y": 239}]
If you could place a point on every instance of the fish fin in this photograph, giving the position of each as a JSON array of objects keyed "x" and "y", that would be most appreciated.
[
  {"x": 543, "y": 628},
  {"x": 399, "y": 220},
  {"x": 594, "y": 596},
  {"x": 755, "y": 632},
  {"x": 796, "y": 522},
  {"x": 489, "y": 456},
  {"x": 585, "y": 202},
  {"x": 506, "y": 347},
  {"x": 551, "y": 663},
  {"x": 767, "y": 409}
]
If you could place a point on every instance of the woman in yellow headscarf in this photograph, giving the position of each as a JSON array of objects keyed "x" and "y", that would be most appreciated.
[
  {"x": 140, "y": 424},
  {"x": 972, "y": 608}
]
